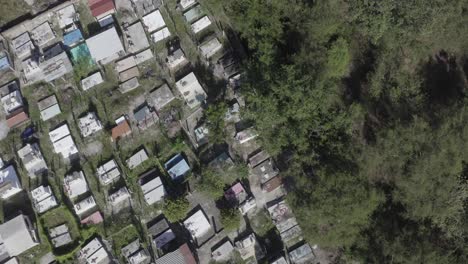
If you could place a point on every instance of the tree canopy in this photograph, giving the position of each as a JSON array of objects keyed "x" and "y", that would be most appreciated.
[{"x": 364, "y": 103}]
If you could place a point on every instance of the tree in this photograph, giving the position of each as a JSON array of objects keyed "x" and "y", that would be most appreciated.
[
  {"x": 215, "y": 115},
  {"x": 82, "y": 67},
  {"x": 230, "y": 219},
  {"x": 175, "y": 209},
  {"x": 211, "y": 183},
  {"x": 338, "y": 59}
]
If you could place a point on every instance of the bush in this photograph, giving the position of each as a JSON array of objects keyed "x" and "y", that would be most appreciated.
[
  {"x": 215, "y": 115},
  {"x": 211, "y": 183},
  {"x": 176, "y": 209},
  {"x": 230, "y": 219}
]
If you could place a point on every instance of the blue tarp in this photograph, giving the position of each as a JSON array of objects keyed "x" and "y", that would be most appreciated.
[
  {"x": 177, "y": 166},
  {"x": 72, "y": 37},
  {"x": 4, "y": 63}
]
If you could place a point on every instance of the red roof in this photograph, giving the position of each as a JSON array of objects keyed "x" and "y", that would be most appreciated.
[
  {"x": 272, "y": 184},
  {"x": 99, "y": 7},
  {"x": 187, "y": 253},
  {"x": 95, "y": 219},
  {"x": 121, "y": 130},
  {"x": 17, "y": 119}
]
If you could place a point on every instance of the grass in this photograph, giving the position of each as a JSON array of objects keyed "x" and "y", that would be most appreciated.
[
  {"x": 261, "y": 223},
  {"x": 124, "y": 237},
  {"x": 58, "y": 216},
  {"x": 10, "y": 10}
]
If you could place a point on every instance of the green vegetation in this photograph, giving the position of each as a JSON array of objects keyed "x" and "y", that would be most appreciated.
[
  {"x": 211, "y": 183},
  {"x": 12, "y": 9},
  {"x": 176, "y": 209},
  {"x": 124, "y": 237},
  {"x": 230, "y": 219},
  {"x": 215, "y": 120},
  {"x": 364, "y": 103},
  {"x": 262, "y": 223}
]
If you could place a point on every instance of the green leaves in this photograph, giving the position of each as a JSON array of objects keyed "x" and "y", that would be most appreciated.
[
  {"x": 230, "y": 219},
  {"x": 215, "y": 115},
  {"x": 176, "y": 209},
  {"x": 338, "y": 59}
]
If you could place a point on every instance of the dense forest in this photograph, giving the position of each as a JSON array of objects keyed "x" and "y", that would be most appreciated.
[{"x": 363, "y": 103}]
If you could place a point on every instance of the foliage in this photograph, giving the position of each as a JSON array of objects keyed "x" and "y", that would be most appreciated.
[
  {"x": 11, "y": 10},
  {"x": 124, "y": 237},
  {"x": 211, "y": 183},
  {"x": 364, "y": 102},
  {"x": 215, "y": 115},
  {"x": 261, "y": 223},
  {"x": 176, "y": 209},
  {"x": 338, "y": 58},
  {"x": 81, "y": 68},
  {"x": 230, "y": 219}
]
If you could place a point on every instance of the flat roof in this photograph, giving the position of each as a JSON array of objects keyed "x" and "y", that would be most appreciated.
[
  {"x": 160, "y": 34},
  {"x": 129, "y": 85},
  {"x": 9, "y": 182},
  {"x": 91, "y": 81},
  {"x": 302, "y": 254},
  {"x": 158, "y": 227},
  {"x": 12, "y": 101},
  {"x": 193, "y": 13},
  {"x": 282, "y": 216},
  {"x": 84, "y": 205},
  {"x": 65, "y": 146},
  {"x": 90, "y": 248},
  {"x": 165, "y": 237},
  {"x": 89, "y": 124},
  {"x": 176, "y": 59},
  {"x": 136, "y": 37},
  {"x": 198, "y": 225},
  {"x": 200, "y": 24},
  {"x": 129, "y": 74},
  {"x": 41, "y": 193},
  {"x": 46, "y": 204},
  {"x": 4, "y": 63},
  {"x": 143, "y": 56},
  {"x": 32, "y": 159},
  {"x": 153, "y": 21},
  {"x": 105, "y": 46},
  {"x": 137, "y": 158},
  {"x": 50, "y": 112},
  {"x": 125, "y": 64},
  {"x": 191, "y": 90},
  {"x": 177, "y": 166},
  {"x": 280, "y": 260},
  {"x": 119, "y": 196},
  {"x": 161, "y": 97},
  {"x": 187, "y": 3},
  {"x": 59, "y": 132},
  {"x": 47, "y": 102},
  {"x": 75, "y": 184},
  {"x": 66, "y": 16},
  {"x": 258, "y": 158},
  {"x": 153, "y": 191},
  {"x": 223, "y": 252},
  {"x": 210, "y": 47},
  {"x": 16, "y": 235},
  {"x": 72, "y": 37},
  {"x": 62, "y": 240},
  {"x": 42, "y": 34}
]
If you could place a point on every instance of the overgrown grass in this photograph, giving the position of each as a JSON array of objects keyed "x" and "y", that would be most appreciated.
[{"x": 10, "y": 10}]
